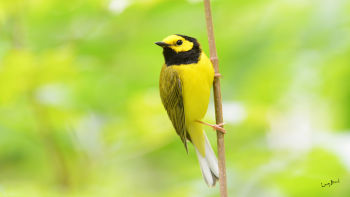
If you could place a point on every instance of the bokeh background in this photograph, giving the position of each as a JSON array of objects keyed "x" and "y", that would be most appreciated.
[{"x": 80, "y": 113}]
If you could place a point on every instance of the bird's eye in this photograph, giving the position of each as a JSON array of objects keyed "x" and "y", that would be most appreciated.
[{"x": 179, "y": 42}]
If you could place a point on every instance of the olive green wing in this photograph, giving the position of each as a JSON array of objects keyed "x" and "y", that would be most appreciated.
[{"x": 170, "y": 87}]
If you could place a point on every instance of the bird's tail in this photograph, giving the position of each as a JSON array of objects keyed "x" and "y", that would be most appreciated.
[{"x": 208, "y": 164}]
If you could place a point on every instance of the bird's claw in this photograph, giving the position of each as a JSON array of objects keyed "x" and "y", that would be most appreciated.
[
  {"x": 218, "y": 75},
  {"x": 217, "y": 127}
]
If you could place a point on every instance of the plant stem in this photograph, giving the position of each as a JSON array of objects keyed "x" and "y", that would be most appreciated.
[{"x": 217, "y": 99}]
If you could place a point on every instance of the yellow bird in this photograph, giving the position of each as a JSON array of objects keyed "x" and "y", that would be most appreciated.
[{"x": 185, "y": 82}]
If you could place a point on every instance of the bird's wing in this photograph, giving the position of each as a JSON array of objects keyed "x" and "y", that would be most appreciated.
[{"x": 170, "y": 87}]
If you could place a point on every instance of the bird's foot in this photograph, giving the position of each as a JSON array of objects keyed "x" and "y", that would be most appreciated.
[
  {"x": 218, "y": 75},
  {"x": 217, "y": 127}
]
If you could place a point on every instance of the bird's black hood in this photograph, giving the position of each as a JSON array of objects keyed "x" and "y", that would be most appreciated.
[{"x": 187, "y": 57}]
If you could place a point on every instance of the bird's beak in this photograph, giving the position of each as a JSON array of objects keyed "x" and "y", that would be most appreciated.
[{"x": 162, "y": 44}]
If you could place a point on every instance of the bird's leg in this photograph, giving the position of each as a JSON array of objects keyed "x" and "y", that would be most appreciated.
[{"x": 217, "y": 127}]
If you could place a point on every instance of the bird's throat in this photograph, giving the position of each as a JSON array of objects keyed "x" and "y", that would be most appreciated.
[{"x": 187, "y": 57}]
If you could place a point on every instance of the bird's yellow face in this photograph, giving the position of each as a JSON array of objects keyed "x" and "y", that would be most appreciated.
[
  {"x": 178, "y": 43},
  {"x": 180, "y": 50}
]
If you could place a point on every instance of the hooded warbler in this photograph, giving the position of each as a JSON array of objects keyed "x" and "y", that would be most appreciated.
[{"x": 185, "y": 81}]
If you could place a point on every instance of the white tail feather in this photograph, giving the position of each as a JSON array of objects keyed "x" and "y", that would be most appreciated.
[
  {"x": 211, "y": 157},
  {"x": 208, "y": 164}
]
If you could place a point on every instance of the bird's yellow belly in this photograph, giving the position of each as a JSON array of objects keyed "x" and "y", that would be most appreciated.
[
  {"x": 196, "y": 96},
  {"x": 196, "y": 83}
]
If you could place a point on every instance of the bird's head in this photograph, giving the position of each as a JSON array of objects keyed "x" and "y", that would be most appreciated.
[
  {"x": 179, "y": 49},
  {"x": 178, "y": 43}
]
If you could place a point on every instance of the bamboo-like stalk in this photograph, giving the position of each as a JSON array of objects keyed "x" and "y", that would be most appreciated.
[{"x": 217, "y": 99}]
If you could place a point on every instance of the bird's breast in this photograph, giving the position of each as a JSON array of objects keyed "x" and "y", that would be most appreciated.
[{"x": 196, "y": 81}]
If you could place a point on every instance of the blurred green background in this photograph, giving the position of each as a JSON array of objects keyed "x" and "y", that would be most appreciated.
[{"x": 80, "y": 113}]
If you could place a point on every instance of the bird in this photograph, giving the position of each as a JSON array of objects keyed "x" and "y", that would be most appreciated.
[{"x": 184, "y": 85}]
